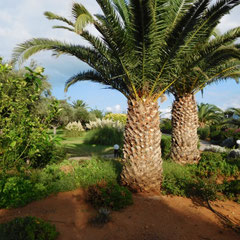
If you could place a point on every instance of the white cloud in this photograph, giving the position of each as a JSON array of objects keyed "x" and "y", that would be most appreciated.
[
  {"x": 165, "y": 112},
  {"x": 115, "y": 109}
]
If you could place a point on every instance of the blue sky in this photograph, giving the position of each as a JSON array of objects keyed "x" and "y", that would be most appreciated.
[{"x": 21, "y": 20}]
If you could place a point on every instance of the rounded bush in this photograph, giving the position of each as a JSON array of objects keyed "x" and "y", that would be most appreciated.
[
  {"x": 28, "y": 228},
  {"x": 203, "y": 133},
  {"x": 109, "y": 195}
]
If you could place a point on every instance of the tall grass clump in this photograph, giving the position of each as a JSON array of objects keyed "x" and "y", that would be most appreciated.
[{"x": 104, "y": 136}]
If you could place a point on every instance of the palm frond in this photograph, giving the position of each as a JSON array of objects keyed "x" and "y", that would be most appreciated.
[{"x": 52, "y": 16}]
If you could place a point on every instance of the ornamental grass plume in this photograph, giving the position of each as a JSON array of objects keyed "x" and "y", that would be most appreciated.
[
  {"x": 101, "y": 123},
  {"x": 75, "y": 126}
]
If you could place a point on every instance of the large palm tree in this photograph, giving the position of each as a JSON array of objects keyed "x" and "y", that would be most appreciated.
[
  {"x": 209, "y": 114},
  {"x": 221, "y": 63},
  {"x": 140, "y": 53}
]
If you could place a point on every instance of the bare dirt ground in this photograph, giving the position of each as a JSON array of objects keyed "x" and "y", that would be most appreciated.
[{"x": 149, "y": 218}]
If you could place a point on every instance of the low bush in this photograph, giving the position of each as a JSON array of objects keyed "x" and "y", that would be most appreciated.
[
  {"x": 166, "y": 146},
  {"x": 109, "y": 195},
  {"x": 19, "y": 190},
  {"x": 28, "y": 228},
  {"x": 204, "y": 133},
  {"x": 212, "y": 163},
  {"x": 177, "y": 179},
  {"x": 16, "y": 191},
  {"x": 104, "y": 136}
]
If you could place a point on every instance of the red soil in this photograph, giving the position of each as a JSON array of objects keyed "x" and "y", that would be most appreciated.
[{"x": 149, "y": 218}]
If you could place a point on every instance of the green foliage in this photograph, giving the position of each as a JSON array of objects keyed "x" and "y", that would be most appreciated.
[
  {"x": 209, "y": 114},
  {"x": 217, "y": 136},
  {"x": 166, "y": 146},
  {"x": 178, "y": 179},
  {"x": 204, "y": 133},
  {"x": 212, "y": 163},
  {"x": 109, "y": 195},
  {"x": 166, "y": 126},
  {"x": 104, "y": 136},
  {"x": 202, "y": 180},
  {"x": 117, "y": 117},
  {"x": 18, "y": 190},
  {"x": 24, "y": 136},
  {"x": 28, "y": 228}
]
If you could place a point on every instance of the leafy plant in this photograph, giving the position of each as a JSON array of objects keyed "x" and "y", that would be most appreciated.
[
  {"x": 24, "y": 137},
  {"x": 17, "y": 191},
  {"x": 109, "y": 195},
  {"x": 28, "y": 228},
  {"x": 212, "y": 163}
]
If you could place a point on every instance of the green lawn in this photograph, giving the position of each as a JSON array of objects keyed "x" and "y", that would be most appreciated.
[{"x": 75, "y": 147}]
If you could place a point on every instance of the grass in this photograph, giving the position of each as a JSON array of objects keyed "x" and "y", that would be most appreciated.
[{"x": 75, "y": 146}]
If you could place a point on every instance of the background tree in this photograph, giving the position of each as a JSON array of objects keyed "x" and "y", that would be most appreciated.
[{"x": 209, "y": 114}]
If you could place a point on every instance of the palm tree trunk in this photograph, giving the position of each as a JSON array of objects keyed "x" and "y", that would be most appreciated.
[
  {"x": 184, "y": 130},
  {"x": 142, "y": 171}
]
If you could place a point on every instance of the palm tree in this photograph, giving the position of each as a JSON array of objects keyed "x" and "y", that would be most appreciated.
[
  {"x": 211, "y": 61},
  {"x": 79, "y": 104},
  {"x": 234, "y": 117},
  {"x": 209, "y": 114},
  {"x": 140, "y": 53}
]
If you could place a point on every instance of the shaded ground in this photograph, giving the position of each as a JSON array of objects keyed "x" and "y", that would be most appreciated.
[{"x": 150, "y": 218}]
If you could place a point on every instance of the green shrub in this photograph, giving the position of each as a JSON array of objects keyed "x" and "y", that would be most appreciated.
[
  {"x": 19, "y": 190},
  {"x": 212, "y": 163},
  {"x": 232, "y": 187},
  {"x": 16, "y": 191},
  {"x": 166, "y": 146},
  {"x": 24, "y": 136},
  {"x": 203, "y": 133},
  {"x": 166, "y": 126},
  {"x": 109, "y": 195},
  {"x": 177, "y": 179},
  {"x": 104, "y": 136},
  {"x": 217, "y": 136},
  {"x": 28, "y": 228}
]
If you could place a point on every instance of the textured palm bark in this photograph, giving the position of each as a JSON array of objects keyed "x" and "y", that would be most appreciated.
[
  {"x": 142, "y": 171},
  {"x": 184, "y": 130}
]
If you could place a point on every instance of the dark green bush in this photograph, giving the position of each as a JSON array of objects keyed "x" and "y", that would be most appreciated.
[
  {"x": 28, "y": 228},
  {"x": 166, "y": 126},
  {"x": 166, "y": 146},
  {"x": 104, "y": 136},
  {"x": 217, "y": 136},
  {"x": 109, "y": 195},
  {"x": 203, "y": 133}
]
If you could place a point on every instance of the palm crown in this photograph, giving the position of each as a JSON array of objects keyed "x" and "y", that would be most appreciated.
[{"x": 145, "y": 46}]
